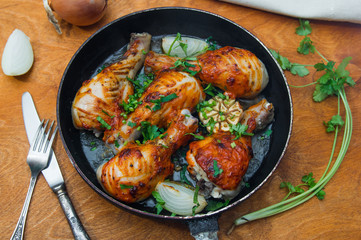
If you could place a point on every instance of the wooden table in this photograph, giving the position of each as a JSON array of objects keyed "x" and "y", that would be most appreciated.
[{"x": 338, "y": 216}]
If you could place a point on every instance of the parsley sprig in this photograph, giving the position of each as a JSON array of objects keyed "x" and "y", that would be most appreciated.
[
  {"x": 140, "y": 85},
  {"x": 308, "y": 181},
  {"x": 150, "y": 131},
  {"x": 239, "y": 130},
  {"x": 333, "y": 82}
]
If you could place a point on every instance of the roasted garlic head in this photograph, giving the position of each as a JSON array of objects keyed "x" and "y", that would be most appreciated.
[{"x": 220, "y": 114}]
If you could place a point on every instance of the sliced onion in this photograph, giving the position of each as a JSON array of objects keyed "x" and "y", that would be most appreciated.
[
  {"x": 179, "y": 198},
  {"x": 18, "y": 56},
  {"x": 194, "y": 47}
]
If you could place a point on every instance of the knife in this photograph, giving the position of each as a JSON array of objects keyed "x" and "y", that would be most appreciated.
[{"x": 52, "y": 173}]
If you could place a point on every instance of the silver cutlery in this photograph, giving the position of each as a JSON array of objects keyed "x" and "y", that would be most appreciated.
[
  {"x": 37, "y": 159},
  {"x": 52, "y": 173}
]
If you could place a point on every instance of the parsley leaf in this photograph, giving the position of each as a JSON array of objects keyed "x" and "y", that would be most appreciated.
[
  {"x": 306, "y": 46},
  {"x": 150, "y": 131},
  {"x": 212, "y": 45},
  {"x": 186, "y": 65},
  {"x": 308, "y": 181},
  {"x": 311, "y": 182},
  {"x": 304, "y": 29},
  {"x": 291, "y": 188},
  {"x": 183, "y": 176},
  {"x": 336, "y": 121},
  {"x": 333, "y": 79},
  {"x": 160, "y": 202},
  {"x": 211, "y": 90},
  {"x": 294, "y": 68},
  {"x": 298, "y": 69},
  {"x": 238, "y": 130},
  {"x": 131, "y": 124},
  {"x": 161, "y": 100},
  {"x": 140, "y": 85},
  {"x": 213, "y": 205}
]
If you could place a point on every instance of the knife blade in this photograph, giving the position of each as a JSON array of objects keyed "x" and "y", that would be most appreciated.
[{"x": 52, "y": 173}]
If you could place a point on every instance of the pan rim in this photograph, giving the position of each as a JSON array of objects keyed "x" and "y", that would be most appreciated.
[{"x": 138, "y": 211}]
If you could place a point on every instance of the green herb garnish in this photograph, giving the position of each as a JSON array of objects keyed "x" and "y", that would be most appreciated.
[
  {"x": 103, "y": 123},
  {"x": 195, "y": 200},
  {"x": 131, "y": 124},
  {"x": 239, "y": 130},
  {"x": 213, "y": 205},
  {"x": 161, "y": 100},
  {"x": 150, "y": 131},
  {"x": 160, "y": 202},
  {"x": 123, "y": 186},
  {"x": 217, "y": 171},
  {"x": 196, "y": 136},
  {"x": 333, "y": 82},
  {"x": 183, "y": 176}
]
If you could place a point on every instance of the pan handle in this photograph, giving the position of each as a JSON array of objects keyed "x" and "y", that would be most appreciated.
[{"x": 204, "y": 228}]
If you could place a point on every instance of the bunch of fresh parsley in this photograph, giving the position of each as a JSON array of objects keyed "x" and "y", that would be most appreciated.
[{"x": 331, "y": 83}]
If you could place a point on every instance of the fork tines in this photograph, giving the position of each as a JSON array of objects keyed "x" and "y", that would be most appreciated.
[{"x": 44, "y": 137}]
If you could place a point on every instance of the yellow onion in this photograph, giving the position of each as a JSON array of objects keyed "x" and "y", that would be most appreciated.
[
  {"x": 179, "y": 198},
  {"x": 172, "y": 46},
  {"x": 77, "y": 12},
  {"x": 18, "y": 56}
]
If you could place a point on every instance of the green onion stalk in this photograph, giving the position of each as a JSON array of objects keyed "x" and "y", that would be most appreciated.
[{"x": 287, "y": 204}]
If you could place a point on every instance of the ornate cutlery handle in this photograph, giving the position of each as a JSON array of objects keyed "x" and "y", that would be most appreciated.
[
  {"x": 19, "y": 229},
  {"x": 73, "y": 219}
]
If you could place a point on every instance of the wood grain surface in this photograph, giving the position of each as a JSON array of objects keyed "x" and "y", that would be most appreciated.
[{"x": 338, "y": 216}]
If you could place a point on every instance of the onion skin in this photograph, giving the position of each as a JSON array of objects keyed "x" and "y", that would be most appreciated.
[{"x": 79, "y": 12}]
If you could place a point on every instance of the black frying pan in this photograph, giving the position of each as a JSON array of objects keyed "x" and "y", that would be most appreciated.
[{"x": 163, "y": 21}]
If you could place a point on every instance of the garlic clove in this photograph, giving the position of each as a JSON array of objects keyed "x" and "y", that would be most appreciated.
[{"x": 18, "y": 56}]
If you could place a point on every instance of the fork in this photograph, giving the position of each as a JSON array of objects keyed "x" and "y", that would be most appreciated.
[{"x": 37, "y": 159}]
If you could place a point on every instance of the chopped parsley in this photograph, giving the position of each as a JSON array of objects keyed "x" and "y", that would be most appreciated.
[
  {"x": 150, "y": 131},
  {"x": 140, "y": 84},
  {"x": 185, "y": 65},
  {"x": 123, "y": 186},
  {"x": 131, "y": 124},
  {"x": 103, "y": 123},
  {"x": 196, "y": 136},
  {"x": 213, "y": 205},
  {"x": 217, "y": 171},
  {"x": 239, "y": 130},
  {"x": 160, "y": 202},
  {"x": 195, "y": 200},
  {"x": 183, "y": 176},
  {"x": 162, "y": 99}
]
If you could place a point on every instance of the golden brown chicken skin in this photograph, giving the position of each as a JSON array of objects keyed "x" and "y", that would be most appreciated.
[
  {"x": 217, "y": 150},
  {"x": 133, "y": 174},
  {"x": 188, "y": 93},
  {"x": 221, "y": 159},
  {"x": 100, "y": 96},
  {"x": 236, "y": 71}
]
